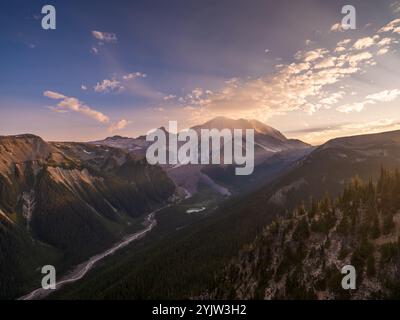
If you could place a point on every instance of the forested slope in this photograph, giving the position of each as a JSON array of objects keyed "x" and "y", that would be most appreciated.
[{"x": 301, "y": 256}]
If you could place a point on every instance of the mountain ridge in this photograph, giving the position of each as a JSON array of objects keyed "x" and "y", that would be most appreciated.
[
  {"x": 268, "y": 142},
  {"x": 220, "y": 123}
]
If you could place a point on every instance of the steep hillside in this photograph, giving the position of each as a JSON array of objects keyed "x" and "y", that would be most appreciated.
[
  {"x": 54, "y": 196},
  {"x": 301, "y": 256}
]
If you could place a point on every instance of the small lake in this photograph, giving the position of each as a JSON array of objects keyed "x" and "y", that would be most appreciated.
[{"x": 195, "y": 210}]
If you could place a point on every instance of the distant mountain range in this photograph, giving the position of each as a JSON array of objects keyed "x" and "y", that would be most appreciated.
[
  {"x": 267, "y": 139},
  {"x": 269, "y": 142}
]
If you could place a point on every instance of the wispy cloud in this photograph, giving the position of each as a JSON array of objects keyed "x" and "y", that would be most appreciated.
[
  {"x": 344, "y": 42},
  {"x": 94, "y": 50},
  {"x": 54, "y": 95},
  {"x": 320, "y": 134},
  {"x": 108, "y": 85},
  {"x": 134, "y": 75},
  {"x": 393, "y": 26},
  {"x": 352, "y": 107},
  {"x": 68, "y": 104},
  {"x": 73, "y": 104},
  {"x": 383, "y": 96},
  {"x": 118, "y": 125},
  {"x": 169, "y": 97},
  {"x": 364, "y": 43},
  {"x": 128, "y": 83},
  {"x": 104, "y": 36}
]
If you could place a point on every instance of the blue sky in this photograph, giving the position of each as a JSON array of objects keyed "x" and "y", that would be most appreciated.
[{"x": 125, "y": 67}]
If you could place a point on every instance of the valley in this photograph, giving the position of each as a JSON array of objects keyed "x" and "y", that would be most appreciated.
[
  {"x": 200, "y": 252},
  {"x": 198, "y": 218},
  {"x": 80, "y": 271},
  {"x": 176, "y": 154}
]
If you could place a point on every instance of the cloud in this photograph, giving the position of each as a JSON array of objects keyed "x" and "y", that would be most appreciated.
[
  {"x": 169, "y": 97},
  {"x": 312, "y": 55},
  {"x": 104, "y": 36},
  {"x": 118, "y": 125},
  {"x": 340, "y": 49},
  {"x": 337, "y": 27},
  {"x": 108, "y": 85},
  {"x": 58, "y": 110},
  {"x": 123, "y": 83},
  {"x": 83, "y": 87},
  {"x": 347, "y": 108},
  {"x": 94, "y": 50},
  {"x": 296, "y": 68},
  {"x": 384, "y": 96},
  {"x": 320, "y": 134},
  {"x": 54, "y": 95},
  {"x": 364, "y": 43},
  {"x": 392, "y": 26},
  {"x": 68, "y": 104},
  {"x": 326, "y": 63},
  {"x": 386, "y": 42},
  {"x": 344, "y": 42},
  {"x": 73, "y": 104},
  {"x": 382, "y": 51},
  {"x": 134, "y": 75},
  {"x": 333, "y": 98},
  {"x": 355, "y": 59}
]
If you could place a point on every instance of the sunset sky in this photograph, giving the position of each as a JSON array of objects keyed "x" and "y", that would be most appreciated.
[{"x": 125, "y": 67}]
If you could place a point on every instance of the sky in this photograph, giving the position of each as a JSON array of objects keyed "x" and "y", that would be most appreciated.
[{"x": 126, "y": 67}]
